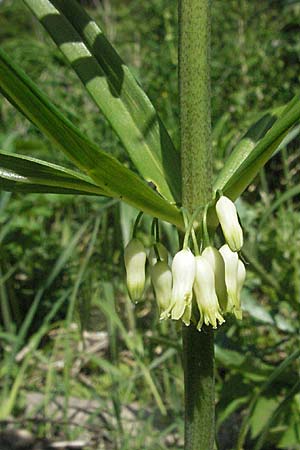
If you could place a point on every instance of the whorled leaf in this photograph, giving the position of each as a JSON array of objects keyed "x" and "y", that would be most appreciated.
[
  {"x": 114, "y": 89},
  {"x": 106, "y": 171},
  {"x": 256, "y": 148},
  {"x": 25, "y": 174}
]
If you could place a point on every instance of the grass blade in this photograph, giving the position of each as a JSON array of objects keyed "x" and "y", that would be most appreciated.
[
  {"x": 281, "y": 407},
  {"x": 9, "y": 393},
  {"x": 290, "y": 193},
  {"x": 274, "y": 375}
]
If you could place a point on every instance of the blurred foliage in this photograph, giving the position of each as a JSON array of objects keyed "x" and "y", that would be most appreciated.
[{"x": 255, "y": 66}]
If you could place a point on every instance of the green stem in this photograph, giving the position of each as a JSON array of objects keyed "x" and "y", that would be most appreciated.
[
  {"x": 198, "y": 350},
  {"x": 195, "y": 130},
  {"x": 194, "y": 97}
]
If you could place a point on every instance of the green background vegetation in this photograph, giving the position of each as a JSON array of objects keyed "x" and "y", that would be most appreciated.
[{"x": 61, "y": 257}]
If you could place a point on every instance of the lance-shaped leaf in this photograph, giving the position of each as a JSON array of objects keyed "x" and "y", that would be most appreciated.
[
  {"x": 107, "y": 172},
  {"x": 256, "y": 148},
  {"x": 25, "y": 174},
  {"x": 116, "y": 92}
]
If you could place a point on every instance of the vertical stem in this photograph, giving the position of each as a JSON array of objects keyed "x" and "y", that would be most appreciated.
[
  {"x": 198, "y": 358},
  {"x": 195, "y": 129},
  {"x": 194, "y": 97}
]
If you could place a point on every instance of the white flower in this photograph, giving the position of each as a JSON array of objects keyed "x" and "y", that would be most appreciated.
[
  {"x": 183, "y": 271},
  {"x": 241, "y": 276},
  {"x": 135, "y": 260},
  {"x": 213, "y": 256},
  {"x": 234, "y": 278},
  {"x": 186, "y": 316},
  {"x": 205, "y": 292},
  {"x": 162, "y": 251},
  {"x": 161, "y": 277},
  {"x": 227, "y": 215}
]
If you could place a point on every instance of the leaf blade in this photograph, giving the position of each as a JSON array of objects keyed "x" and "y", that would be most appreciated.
[
  {"x": 115, "y": 91},
  {"x": 107, "y": 172},
  {"x": 256, "y": 148},
  {"x": 21, "y": 173}
]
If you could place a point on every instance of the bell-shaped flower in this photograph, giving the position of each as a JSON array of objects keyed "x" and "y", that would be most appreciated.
[
  {"x": 233, "y": 284},
  {"x": 162, "y": 252},
  {"x": 227, "y": 215},
  {"x": 205, "y": 293},
  {"x": 213, "y": 256},
  {"x": 186, "y": 316},
  {"x": 241, "y": 276},
  {"x": 135, "y": 261},
  {"x": 161, "y": 277},
  {"x": 183, "y": 271}
]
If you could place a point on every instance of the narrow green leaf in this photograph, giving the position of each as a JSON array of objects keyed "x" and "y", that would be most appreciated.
[
  {"x": 114, "y": 89},
  {"x": 283, "y": 405},
  {"x": 243, "y": 149},
  {"x": 25, "y": 174},
  {"x": 270, "y": 380},
  {"x": 107, "y": 172},
  {"x": 256, "y": 148},
  {"x": 249, "y": 366}
]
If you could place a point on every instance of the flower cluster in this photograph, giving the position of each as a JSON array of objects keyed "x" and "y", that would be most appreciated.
[{"x": 198, "y": 289}]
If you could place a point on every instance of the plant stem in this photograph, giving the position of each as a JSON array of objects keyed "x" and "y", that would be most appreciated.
[
  {"x": 198, "y": 357},
  {"x": 195, "y": 129},
  {"x": 194, "y": 97}
]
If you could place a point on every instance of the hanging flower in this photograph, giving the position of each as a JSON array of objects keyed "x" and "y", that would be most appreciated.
[
  {"x": 186, "y": 316},
  {"x": 234, "y": 278},
  {"x": 241, "y": 276},
  {"x": 161, "y": 277},
  {"x": 162, "y": 251},
  {"x": 183, "y": 271},
  {"x": 135, "y": 260},
  {"x": 227, "y": 215},
  {"x": 205, "y": 293},
  {"x": 213, "y": 256}
]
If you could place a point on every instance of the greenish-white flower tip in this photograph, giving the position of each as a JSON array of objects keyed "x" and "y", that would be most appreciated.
[
  {"x": 205, "y": 293},
  {"x": 183, "y": 271},
  {"x": 241, "y": 276},
  {"x": 161, "y": 277},
  {"x": 233, "y": 279},
  {"x": 227, "y": 215},
  {"x": 162, "y": 251},
  {"x": 135, "y": 260},
  {"x": 213, "y": 256}
]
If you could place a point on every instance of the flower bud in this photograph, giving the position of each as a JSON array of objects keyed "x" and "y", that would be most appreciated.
[
  {"x": 213, "y": 256},
  {"x": 162, "y": 251},
  {"x": 227, "y": 215},
  {"x": 205, "y": 292},
  {"x": 135, "y": 260},
  {"x": 183, "y": 271},
  {"x": 161, "y": 277},
  {"x": 234, "y": 278}
]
